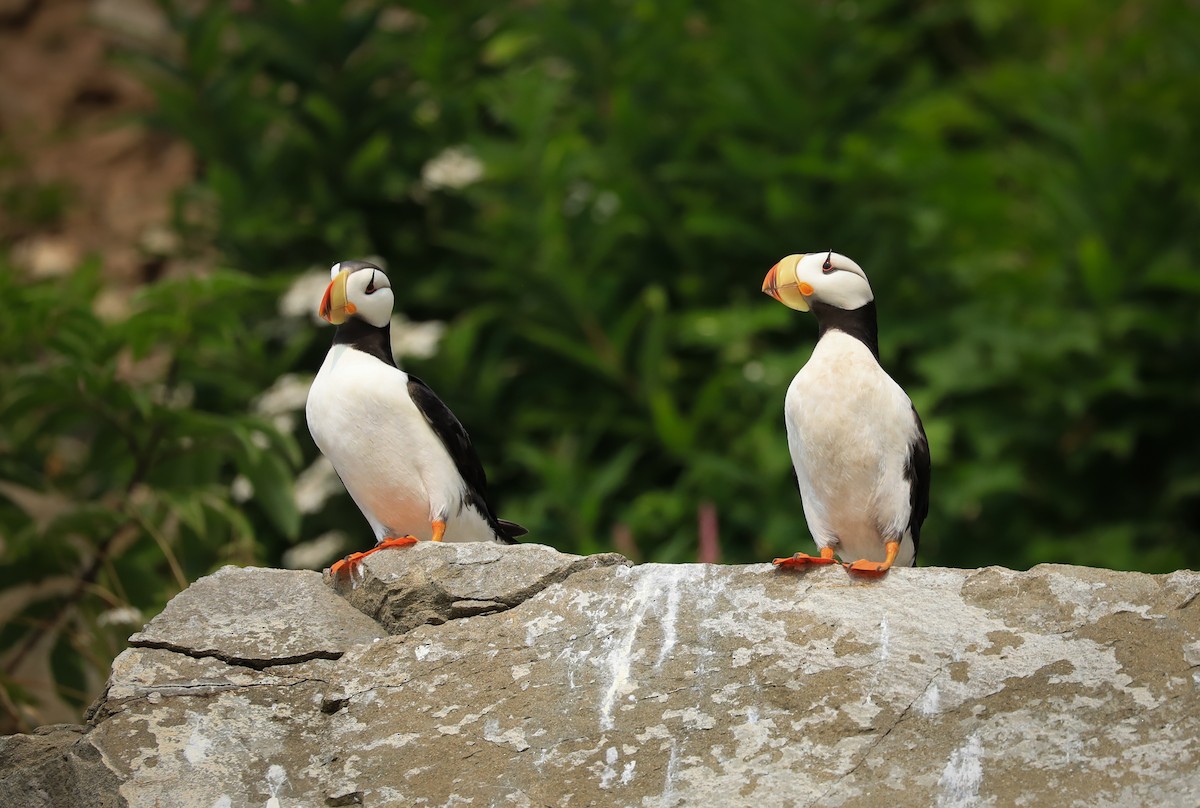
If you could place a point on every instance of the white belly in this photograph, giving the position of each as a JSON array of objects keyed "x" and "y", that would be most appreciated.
[
  {"x": 850, "y": 428},
  {"x": 389, "y": 458}
]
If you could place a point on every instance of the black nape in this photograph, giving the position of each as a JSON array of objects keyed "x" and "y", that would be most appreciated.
[
  {"x": 859, "y": 323},
  {"x": 362, "y": 336}
]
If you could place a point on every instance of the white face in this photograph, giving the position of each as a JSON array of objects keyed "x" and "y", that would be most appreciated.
[
  {"x": 825, "y": 277},
  {"x": 358, "y": 290},
  {"x": 371, "y": 293}
]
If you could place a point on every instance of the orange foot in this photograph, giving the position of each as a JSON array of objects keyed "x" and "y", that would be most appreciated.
[
  {"x": 875, "y": 569},
  {"x": 347, "y": 564},
  {"x": 803, "y": 559}
]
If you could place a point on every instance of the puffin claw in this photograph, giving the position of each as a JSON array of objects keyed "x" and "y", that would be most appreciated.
[
  {"x": 350, "y": 563},
  {"x": 875, "y": 569},
  {"x": 804, "y": 559},
  {"x": 399, "y": 541},
  {"x": 867, "y": 569}
]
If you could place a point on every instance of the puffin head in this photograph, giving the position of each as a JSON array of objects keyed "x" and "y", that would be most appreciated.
[
  {"x": 357, "y": 289},
  {"x": 799, "y": 280}
]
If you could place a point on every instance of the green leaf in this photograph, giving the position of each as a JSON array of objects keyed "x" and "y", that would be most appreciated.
[{"x": 273, "y": 491}]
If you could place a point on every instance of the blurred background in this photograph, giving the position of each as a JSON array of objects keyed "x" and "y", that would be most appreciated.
[{"x": 576, "y": 204}]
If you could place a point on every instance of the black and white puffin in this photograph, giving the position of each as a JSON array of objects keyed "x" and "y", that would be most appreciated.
[
  {"x": 857, "y": 443},
  {"x": 403, "y": 456}
]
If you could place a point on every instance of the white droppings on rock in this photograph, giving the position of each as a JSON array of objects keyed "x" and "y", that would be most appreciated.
[
  {"x": 607, "y": 770},
  {"x": 514, "y": 737},
  {"x": 197, "y": 748},
  {"x": 928, "y": 703},
  {"x": 656, "y": 731},
  {"x": 619, "y": 660},
  {"x": 276, "y": 779},
  {"x": 670, "y": 584},
  {"x": 691, "y": 717},
  {"x": 397, "y": 741},
  {"x": 574, "y": 657},
  {"x": 520, "y": 671},
  {"x": 753, "y": 735},
  {"x": 445, "y": 710},
  {"x": 960, "y": 780},
  {"x": 542, "y": 624}
]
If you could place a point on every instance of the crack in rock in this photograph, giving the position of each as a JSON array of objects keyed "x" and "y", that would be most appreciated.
[{"x": 253, "y": 663}]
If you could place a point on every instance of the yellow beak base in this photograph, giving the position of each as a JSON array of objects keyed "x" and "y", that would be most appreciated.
[
  {"x": 334, "y": 306},
  {"x": 781, "y": 284}
]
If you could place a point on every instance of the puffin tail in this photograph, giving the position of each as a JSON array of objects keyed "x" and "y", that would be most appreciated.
[{"x": 508, "y": 531}]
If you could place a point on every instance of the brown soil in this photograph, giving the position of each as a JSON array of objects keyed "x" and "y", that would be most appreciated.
[{"x": 79, "y": 174}]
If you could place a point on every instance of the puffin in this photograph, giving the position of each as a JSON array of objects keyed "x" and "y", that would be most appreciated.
[
  {"x": 857, "y": 444},
  {"x": 405, "y": 459}
]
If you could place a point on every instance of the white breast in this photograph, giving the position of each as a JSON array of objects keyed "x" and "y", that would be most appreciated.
[
  {"x": 395, "y": 467},
  {"x": 850, "y": 428}
]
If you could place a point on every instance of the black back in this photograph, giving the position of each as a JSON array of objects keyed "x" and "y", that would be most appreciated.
[
  {"x": 458, "y": 443},
  {"x": 916, "y": 472}
]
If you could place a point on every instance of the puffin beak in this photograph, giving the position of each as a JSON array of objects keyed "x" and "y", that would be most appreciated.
[
  {"x": 334, "y": 306},
  {"x": 781, "y": 283}
]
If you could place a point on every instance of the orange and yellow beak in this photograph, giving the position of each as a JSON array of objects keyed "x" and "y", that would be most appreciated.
[
  {"x": 781, "y": 283},
  {"x": 334, "y": 306}
]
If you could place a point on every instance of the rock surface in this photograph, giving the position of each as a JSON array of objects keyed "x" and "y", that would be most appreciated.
[{"x": 484, "y": 675}]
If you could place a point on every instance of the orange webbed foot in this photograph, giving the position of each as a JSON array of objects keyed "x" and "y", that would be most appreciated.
[
  {"x": 868, "y": 569},
  {"x": 804, "y": 559},
  {"x": 874, "y": 569},
  {"x": 350, "y": 563},
  {"x": 398, "y": 541}
]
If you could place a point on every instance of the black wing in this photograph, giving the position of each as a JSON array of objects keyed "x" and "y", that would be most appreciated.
[
  {"x": 458, "y": 444},
  {"x": 916, "y": 471}
]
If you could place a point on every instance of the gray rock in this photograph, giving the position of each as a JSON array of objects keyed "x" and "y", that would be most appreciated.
[
  {"x": 574, "y": 682},
  {"x": 257, "y": 618},
  {"x": 424, "y": 584},
  {"x": 55, "y": 766}
]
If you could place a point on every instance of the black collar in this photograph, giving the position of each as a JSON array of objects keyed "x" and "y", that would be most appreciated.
[
  {"x": 362, "y": 336},
  {"x": 859, "y": 323}
]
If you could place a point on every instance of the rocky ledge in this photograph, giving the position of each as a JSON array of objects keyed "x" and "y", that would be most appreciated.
[{"x": 518, "y": 676}]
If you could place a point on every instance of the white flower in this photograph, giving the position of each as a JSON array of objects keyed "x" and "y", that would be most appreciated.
[
  {"x": 418, "y": 340},
  {"x": 287, "y": 394},
  {"x": 242, "y": 489},
  {"x": 754, "y": 371},
  {"x": 397, "y": 20},
  {"x": 607, "y": 203},
  {"x": 315, "y": 485},
  {"x": 122, "y": 616},
  {"x": 579, "y": 194},
  {"x": 314, "y": 554},
  {"x": 304, "y": 295},
  {"x": 455, "y": 167}
]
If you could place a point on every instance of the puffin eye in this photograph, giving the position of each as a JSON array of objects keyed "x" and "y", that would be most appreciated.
[
  {"x": 371, "y": 285},
  {"x": 828, "y": 267}
]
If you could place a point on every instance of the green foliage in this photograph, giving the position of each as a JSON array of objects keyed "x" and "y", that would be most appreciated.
[
  {"x": 590, "y": 194},
  {"x": 118, "y": 445},
  {"x": 1019, "y": 180}
]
